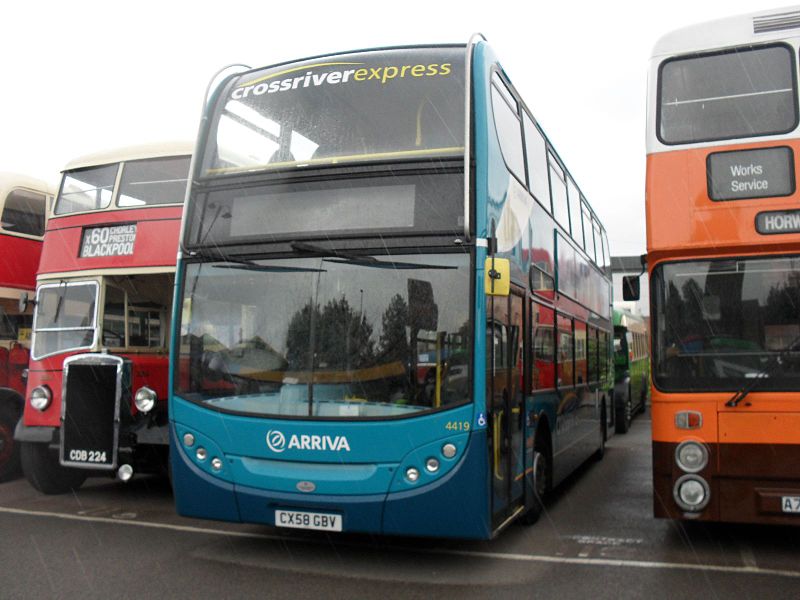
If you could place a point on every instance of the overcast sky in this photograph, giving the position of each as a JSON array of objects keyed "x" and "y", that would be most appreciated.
[{"x": 83, "y": 76}]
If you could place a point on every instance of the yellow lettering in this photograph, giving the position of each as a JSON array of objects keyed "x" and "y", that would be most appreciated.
[
  {"x": 445, "y": 70},
  {"x": 418, "y": 70},
  {"x": 360, "y": 75},
  {"x": 433, "y": 69},
  {"x": 386, "y": 73},
  {"x": 403, "y": 70}
]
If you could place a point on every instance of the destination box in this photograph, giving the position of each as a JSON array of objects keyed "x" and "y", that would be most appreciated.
[
  {"x": 109, "y": 240},
  {"x": 750, "y": 174},
  {"x": 778, "y": 221}
]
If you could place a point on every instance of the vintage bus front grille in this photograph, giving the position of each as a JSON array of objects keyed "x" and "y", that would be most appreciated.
[
  {"x": 778, "y": 22},
  {"x": 90, "y": 412}
]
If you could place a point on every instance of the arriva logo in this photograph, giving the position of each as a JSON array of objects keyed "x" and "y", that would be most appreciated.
[{"x": 277, "y": 442}]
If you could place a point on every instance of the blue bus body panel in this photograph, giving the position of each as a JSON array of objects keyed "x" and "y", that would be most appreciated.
[{"x": 357, "y": 470}]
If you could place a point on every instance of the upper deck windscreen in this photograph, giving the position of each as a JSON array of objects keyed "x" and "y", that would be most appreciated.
[
  {"x": 740, "y": 93},
  {"x": 145, "y": 182},
  {"x": 365, "y": 106}
]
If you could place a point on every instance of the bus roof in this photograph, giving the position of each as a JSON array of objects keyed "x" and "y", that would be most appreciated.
[
  {"x": 625, "y": 318},
  {"x": 10, "y": 181},
  {"x": 138, "y": 152},
  {"x": 755, "y": 27}
]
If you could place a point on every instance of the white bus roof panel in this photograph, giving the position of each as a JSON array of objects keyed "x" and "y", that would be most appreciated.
[
  {"x": 755, "y": 27},
  {"x": 143, "y": 151}
]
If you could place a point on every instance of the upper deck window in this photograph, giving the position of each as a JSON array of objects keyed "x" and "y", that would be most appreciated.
[
  {"x": 739, "y": 93},
  {"x": 147, "y": 182},
  {"x": 86, "y": 189},
  {"x": 366, "y": 106},
  {"x": 155, "y": 181},
  {"x": 24, "y": 213}
]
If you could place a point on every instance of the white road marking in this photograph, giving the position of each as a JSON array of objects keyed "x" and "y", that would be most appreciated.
[{"x": 509, "y": 556}]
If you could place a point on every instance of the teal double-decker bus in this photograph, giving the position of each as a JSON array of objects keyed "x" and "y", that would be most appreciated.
[{"x": 393, "y": 306}]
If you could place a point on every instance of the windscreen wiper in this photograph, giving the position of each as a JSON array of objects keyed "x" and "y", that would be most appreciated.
[
  {"x": 339, "y": 256},
  {"x": 777, "y": 362}
]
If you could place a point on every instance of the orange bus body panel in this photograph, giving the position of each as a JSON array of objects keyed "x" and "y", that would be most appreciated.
[{"x": 681, "y": 218}]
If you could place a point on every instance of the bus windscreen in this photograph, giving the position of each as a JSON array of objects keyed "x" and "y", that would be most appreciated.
[{"x": 365, "y": 106}]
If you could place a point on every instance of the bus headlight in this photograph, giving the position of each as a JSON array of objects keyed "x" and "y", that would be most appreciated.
[
  {"x": 412, "y": 474},
  {"x": 691, "y": 493},
  {"x": 41, "y": 397},
  {"x": 145, "y": 399},
  {"x": 692, "y": 457}
]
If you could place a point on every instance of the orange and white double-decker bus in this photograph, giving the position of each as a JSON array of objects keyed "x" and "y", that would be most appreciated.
[
  {"x": 23, "y": 208},
  {"x": 723, "y": 253},
  {"x": 97, "y": 383}
]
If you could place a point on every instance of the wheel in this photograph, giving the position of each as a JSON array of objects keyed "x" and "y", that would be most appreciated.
[
  {"x": 9, "y": 449},
  {"x": 43, "y": 471},
  {"x": 625, "y": 414},
  {"x": 601, "y": 451},
  {"x": 541, "y": 485}
]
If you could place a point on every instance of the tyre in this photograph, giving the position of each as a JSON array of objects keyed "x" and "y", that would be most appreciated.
[
  {"x": 624, "y": 414},
  {"x": 9, "y": 449},
  {"x": 43, "y": 471},
  {"x": 541, "y": 485},
  {"x": 601, "y": 451}
]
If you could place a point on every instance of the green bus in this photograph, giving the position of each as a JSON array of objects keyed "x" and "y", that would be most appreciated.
[{"x": 631, "y": 367}]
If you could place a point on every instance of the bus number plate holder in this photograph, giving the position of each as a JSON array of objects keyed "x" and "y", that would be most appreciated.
[
  {"x": 790, "y": 504},
  {"x": 295, "y": 519}
]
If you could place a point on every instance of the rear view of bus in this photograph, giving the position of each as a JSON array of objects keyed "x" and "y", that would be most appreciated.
[
  {"x": 723, "y": 236},
  {"x": 23, "y": 207},
  {"x": 97, "y": 385},
  {"x": 355, "y": 304}
]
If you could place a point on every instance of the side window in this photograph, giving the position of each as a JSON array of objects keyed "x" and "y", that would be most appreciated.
[
  {"x": 542, "y": 336},
  {"x": 558, "y": 190},
  {"x": 598, "y": 246},
  {"x": 574, "y": 199},
  {"x": 581, "y": 366},
  {"x": 566, "y": 358},
  {"x": 542, "y": 252},
  {"x": 591, "y": 353},
  {"x": 24, "y": 212},
  {"x": 586, "y": 219},
  {"x": 606, "y": 255},
  {"x": 536, "y": 151},
  {"x": 509, "y": 129},
  {"x": 603, "y": 356}
]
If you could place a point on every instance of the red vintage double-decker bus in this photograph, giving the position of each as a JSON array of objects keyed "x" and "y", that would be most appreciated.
[
  {"x": 97, "y": 385},
  {"x": 23, "y": 207}
]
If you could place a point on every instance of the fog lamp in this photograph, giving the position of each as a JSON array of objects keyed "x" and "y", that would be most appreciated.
[
  {"x": 432, "y": 465},
  {"x": 449, "y": 450},
  {"x": 412, "y": 474},
  {"x": 691, "y": 457},
  {"x": 691, "y": 493},
  {"x": 145, "y": 399},
  {"x": 216, "y": 464},
  {"x": 41, "y": 397}
]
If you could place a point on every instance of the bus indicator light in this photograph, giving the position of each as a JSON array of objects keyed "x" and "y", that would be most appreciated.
[{"x": 688, "y": 419}]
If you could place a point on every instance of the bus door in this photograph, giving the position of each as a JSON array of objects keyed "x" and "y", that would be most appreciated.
[{"x": 505, "y": 403}]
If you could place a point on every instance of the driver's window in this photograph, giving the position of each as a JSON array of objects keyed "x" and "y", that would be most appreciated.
[{"x": 114, "y": 318}]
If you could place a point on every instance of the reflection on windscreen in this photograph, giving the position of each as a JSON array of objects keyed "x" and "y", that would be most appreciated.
[
  {"x": 721, "y": 323},
  {"x": 365, "y": 106},
  {"x": 327, "y": 337}
]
